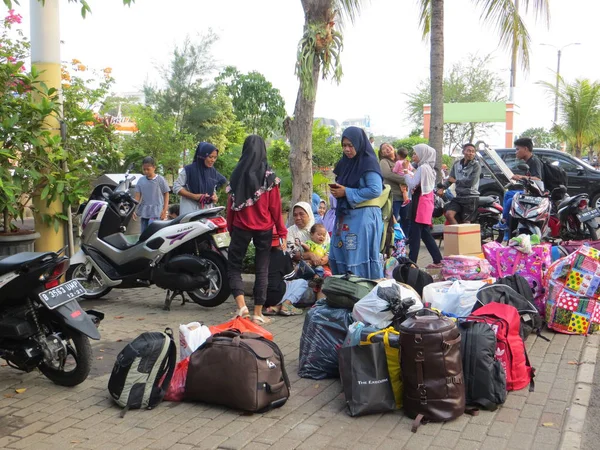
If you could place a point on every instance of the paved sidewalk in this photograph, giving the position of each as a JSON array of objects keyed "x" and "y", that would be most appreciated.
[{"x": 46, "y": 416}]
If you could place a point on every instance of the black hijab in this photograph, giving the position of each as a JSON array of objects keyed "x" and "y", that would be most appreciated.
[
  {"x": 348, "y": 171},
  {"x": 252, "y": 175},
  {"x": 199, "y": 178}
]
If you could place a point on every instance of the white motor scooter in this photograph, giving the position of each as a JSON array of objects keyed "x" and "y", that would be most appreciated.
[{"x": 187, "y": 254}]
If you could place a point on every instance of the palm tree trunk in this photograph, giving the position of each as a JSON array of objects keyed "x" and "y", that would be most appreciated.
[
  {"x": 299, "y": 129},
  {"x": 436, "y": 133},
  {"x": 299, "y": 132}
]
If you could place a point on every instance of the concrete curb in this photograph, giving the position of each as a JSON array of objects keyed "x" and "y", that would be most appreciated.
[
  {"x": 248, "y": 280},
  {"x": 573, "y": 427}
]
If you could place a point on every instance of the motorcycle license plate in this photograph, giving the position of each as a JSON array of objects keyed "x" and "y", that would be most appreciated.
[
  {"x": 589, "y": 215},
  {"x": 222, "y": 239},
  {"x": 531, "y": 200},
  {"x": 61, "y": 294}
]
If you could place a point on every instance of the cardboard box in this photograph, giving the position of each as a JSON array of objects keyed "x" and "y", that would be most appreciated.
[{"x": 463, "y": 239}]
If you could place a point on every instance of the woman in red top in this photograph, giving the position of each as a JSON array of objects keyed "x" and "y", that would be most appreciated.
[{"x": 253, "y": 208}]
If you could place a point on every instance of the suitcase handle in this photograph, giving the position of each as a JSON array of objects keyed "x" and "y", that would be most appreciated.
[
  {"x": 274, "y": 388},
  {"x": 425, "y": 312}
]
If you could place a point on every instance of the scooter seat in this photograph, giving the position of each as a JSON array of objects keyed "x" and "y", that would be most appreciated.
[
  {"x": 564, "y": 202},
  {"x": 158, "y": 225},
  {"x": 487, "y": 201},
  {"x": 17, "y": 261}
]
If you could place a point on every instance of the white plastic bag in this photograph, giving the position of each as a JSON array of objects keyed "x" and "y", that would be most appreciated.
[
  {"x": 454, "y": 297},
  {"x": 375, "y": 311},
  {"x": 191, "y": 336}
]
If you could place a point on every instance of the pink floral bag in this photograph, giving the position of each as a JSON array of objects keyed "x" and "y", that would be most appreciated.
[
  {"x": 458, "y": 267},
  {"x": 510, "y": 261}
]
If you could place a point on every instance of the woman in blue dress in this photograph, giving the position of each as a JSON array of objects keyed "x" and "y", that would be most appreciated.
[{"x": 358, "y": 228}]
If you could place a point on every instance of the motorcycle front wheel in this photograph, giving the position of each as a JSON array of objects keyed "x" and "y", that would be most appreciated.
[
  {"x": 218, "y": 289},
  {"x": 94, "y": 288},
  {"x": 77, "y": 364}
]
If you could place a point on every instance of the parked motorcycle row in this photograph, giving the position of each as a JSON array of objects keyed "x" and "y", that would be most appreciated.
[
  {"x": 41, "y": 323},
  {"x": 551, "y": 215}
]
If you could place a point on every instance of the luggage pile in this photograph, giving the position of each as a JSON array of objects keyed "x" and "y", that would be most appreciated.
[
  {"x": 235, "y": 364},
  {"x": 435, "y": 349},
  {"x": 457, "y": 349}
]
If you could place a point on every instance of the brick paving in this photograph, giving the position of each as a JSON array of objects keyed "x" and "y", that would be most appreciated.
[{"x": 47, "y": 416}]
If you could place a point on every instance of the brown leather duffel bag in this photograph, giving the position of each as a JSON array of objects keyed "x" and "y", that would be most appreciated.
[
  {"x": 432, "y": 372},
  {"x": 240, "y": 370}
]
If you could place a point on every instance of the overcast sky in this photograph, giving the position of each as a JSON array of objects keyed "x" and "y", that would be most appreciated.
[{"x": 384, "y": 56}]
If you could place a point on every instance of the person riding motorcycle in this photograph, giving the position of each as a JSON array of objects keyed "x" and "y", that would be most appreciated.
[
  {"x": 465, "y": 173},
  {"x": 524, "y": 152}
]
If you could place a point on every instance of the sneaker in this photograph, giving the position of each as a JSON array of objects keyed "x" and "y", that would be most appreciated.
[{"x": 500, "y": 226}]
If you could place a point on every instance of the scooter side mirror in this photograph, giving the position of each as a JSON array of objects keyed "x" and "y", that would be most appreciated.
[{"x": 523, "y": 167}]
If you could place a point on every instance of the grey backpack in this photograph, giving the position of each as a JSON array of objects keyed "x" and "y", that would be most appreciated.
[{"x": 143, "y": 371}]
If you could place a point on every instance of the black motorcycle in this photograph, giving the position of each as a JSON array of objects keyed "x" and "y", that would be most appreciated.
[
  {"x": 571, "y": 217},
  {"x": 41, "y": 324}
]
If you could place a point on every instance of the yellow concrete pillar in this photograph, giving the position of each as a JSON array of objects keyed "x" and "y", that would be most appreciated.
[{"x": 45, "y": 56}]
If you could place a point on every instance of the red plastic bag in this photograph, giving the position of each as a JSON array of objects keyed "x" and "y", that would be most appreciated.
[
  {"x": 176, "y": 390},
  {"x": 243, "y": 325}
]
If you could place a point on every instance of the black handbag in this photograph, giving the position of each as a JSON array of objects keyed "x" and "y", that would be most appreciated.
[
  {"x": 304, "y": 271},
  {"x": 438, "y": 206},
  {"x": 366, "y": 379}
]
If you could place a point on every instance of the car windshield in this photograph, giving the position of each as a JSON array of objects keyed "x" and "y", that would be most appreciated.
[{"x": 584, "y": 164}]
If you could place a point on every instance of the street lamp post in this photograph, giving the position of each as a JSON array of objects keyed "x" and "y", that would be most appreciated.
[{"x": 559, "y": 54}]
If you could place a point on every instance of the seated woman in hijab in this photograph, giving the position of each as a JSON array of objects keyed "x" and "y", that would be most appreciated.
[
  {"x": 299, "y": 233},
  {"x": 422, "y": 184},
  {"x": 357, "y": 235},
  {"x": 198, "y": 182}
]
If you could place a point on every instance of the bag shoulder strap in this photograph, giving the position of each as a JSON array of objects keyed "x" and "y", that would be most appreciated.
[
  {"x": 277, "y": 350},
  {"x": 171, "y": 363}
]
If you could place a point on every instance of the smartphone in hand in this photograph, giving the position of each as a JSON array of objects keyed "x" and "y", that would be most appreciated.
[{"x": 333, "y": 185}]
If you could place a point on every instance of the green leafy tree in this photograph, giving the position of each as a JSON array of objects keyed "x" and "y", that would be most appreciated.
[
  {"x": 318, "y": 55},
  {"x": 504, "y": 16},
  {"x": 183, "y": 94},
  {"x": 89, "y": 137},
  {"x": 194, "y": 109},
  {"x": 113, "y": 104},
  {"x": 33, "y": 160},
  {"x": 256, "y": 103},
  {"x": 579, "y": 113},
  {"x": 326, "y": 147},
  {"x": 542, "y": 137},
  {"x": 465, "y": 83},
  {"x": 157, "y": 137},
  {"x": 409, "y": 143}
]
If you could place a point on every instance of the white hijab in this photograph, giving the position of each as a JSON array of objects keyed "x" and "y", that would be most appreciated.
[
  {"x": 426, "y": 164},
  {"x": 297, "y": 235}
]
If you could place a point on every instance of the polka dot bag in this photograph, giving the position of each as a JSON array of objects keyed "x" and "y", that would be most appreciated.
[{"x": 573, "y": 288}]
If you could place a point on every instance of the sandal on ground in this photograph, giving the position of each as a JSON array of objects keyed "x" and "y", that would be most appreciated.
[
  {"x": 287, "y": 309},
  {"x": 261, "y": 320},
  {"x": 243, "y": 312},
  {"x": 270, "y": 311},
  {"x": 435, "y": 266}
]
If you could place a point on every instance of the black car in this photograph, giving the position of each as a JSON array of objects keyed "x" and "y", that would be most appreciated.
[{"x": 582, "y": 178}]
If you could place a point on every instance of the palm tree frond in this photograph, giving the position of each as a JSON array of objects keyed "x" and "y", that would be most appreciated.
[
  {"x": 425, "y": 17},
  {"x": 503, "y": 15},
  {"x": 541, "y": 9},
  {"x": 349, "y": 9}
]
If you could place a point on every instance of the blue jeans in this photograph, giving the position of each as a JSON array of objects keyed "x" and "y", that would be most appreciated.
[
  {"x": 508, "y": 198},
  {"x": 146, "y": 222}
]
